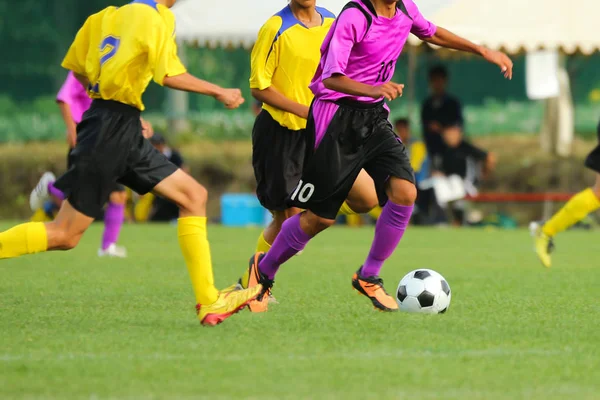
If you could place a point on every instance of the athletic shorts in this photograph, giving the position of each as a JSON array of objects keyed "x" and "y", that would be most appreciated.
[
  {"x": 277, "y": 157},
  {"x": 358, "y": 136},
  {"x": 110, "y": 150},
  {"x": 593, "y": 159},
  {"x": 71, "y": 159}
]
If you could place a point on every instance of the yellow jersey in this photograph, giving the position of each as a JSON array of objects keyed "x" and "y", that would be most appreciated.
[
  {"x": 121, "y": 49},
  {"x": 285, "y": 56}
]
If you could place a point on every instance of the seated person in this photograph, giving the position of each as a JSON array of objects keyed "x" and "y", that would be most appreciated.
[
  {"x": 460, "y": 157},
  {"x": 157, "y": 209}
]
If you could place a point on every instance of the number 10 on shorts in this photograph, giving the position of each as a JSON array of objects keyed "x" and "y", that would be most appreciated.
[{"x": 304, "y": 191}]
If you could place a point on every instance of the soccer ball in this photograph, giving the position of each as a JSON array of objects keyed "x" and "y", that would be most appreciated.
[{"x": 424, "y": 291}]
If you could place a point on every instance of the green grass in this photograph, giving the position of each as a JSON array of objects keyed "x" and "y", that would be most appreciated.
[{"x": 75, "y": 326}]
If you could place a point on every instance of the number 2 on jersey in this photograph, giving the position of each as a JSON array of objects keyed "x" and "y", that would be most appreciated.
[{"x": 110, "y": 43}]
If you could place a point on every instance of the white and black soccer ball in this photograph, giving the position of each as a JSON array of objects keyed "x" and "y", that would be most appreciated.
[{"x": 424, "y": 291}]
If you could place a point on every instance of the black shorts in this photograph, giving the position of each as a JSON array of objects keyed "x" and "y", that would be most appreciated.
[
  {"x": 359, "y": 136},
  {"x": 111, "y": 149},
  {"x": 71, "y": 160},
  {"x": 277, "y": 157},
  {"x": 593, "y": 159}
]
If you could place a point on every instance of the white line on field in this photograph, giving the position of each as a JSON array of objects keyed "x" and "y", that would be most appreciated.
[{"x": 482, "y": 353}]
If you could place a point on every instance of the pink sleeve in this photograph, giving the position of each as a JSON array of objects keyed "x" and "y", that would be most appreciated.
[
  {"x": 350, "y": 28},
  {"x": 421, "y": 27},
  {"x": 65, "y": 94}
]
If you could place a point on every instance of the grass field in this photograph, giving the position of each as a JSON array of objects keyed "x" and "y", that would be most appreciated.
[{"x": 73, "y": 326}]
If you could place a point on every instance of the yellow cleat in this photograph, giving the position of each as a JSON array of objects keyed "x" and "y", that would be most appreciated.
[
  {"x": 544, "y": 245},
  {"x": 226, "y": 305}
]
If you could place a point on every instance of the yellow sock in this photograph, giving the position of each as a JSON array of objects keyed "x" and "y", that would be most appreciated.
[
  {"x": 375, "y": 213},
  {"x": 196, "y": 252},
  {"x": 346, "y": 210},
  {"x": 144, "y": 207},
  {"x": 23, "y": 239},
  {"x": 574, "y": 211},
  {"x": 262, "y": 246}
]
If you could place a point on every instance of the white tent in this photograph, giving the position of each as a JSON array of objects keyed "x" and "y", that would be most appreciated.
[
  {"x": 236, "y": 23},
  {"x": 524, "y": 24}
]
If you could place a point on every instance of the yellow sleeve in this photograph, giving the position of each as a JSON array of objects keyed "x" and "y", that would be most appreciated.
[
  {"x": 265, "y": 55},
  {"x": 77, "y": 54},
  {"x": 418, "y": 154},
  {"x": 162, "y": 52}
]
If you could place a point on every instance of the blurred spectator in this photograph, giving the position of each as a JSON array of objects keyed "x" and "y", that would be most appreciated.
[
  {"x": 438, "y": 110},
  {"x": 157, "y": 209},
  {"x": 465, "y": 160}
]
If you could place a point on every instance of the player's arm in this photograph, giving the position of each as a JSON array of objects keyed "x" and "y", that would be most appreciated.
[
  {"x": 64, "y": 99},
  {"x": 231, "y": 98},
  {"x": 65, "y": 111},
  {"x": 447, "y": 39},
  {"x": 274, "y": 98},
  {"x": 263, "y": 63},
  {"x": 169, "y": 71},
  {"x": 350, "y": 28}
]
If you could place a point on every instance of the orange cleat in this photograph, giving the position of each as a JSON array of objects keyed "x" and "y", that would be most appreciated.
[
  {"x": 372, "y": 287},
  {"x": 254, "y": 277}
]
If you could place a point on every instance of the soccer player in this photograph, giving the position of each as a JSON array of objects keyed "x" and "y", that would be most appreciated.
[
  {"x": 115, "y": 54},
  {"x": 576, "y": 209},
  {"x": 349, "y": 123},
  {"x": 284, "y": 59},
  {"x": 73, "y": 100}
]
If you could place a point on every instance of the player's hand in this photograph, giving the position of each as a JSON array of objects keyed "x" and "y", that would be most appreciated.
[
  {"x": 72, "y": 136},
  {"x": 501, "y": 60},
  {"x": 389, "y": 90},
  {"x": 231, "y": 98},
  {"x": 147, "y": 129}
]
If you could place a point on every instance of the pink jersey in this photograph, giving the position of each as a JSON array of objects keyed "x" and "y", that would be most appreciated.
[
  {"x": 364, "y": 47},
  {"x": 74, "y": 94}
]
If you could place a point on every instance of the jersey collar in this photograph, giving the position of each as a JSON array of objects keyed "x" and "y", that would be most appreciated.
[{"x": 150, "y": 3}]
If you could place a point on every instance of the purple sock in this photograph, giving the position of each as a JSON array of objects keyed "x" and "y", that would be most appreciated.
[
  {"x": 291, "y": 240},
  {"x": 54, "y": 192},
  {"x": 389, "y": 230},
  {"x": 113, "y": 220}
]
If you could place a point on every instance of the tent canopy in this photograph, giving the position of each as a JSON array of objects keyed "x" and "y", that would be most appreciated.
[
  {"x": 237, "y": 23},
  {"x": 528, "y": 25}
]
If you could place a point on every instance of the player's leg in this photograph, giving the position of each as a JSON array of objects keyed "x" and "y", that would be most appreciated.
[
  {"x": 63, "y": 233},
  {"x": 577, "y": 208},
  {"x": 150, "y": 170},
  {"x": 390, "y": 168},
  {"x": 326, "y": 181},
  {"x": 114, "y": 216},
  {"x": 362, "y": 198},
  {"x": 277, "y": 159},
  {"x": 267, "y": 237}
]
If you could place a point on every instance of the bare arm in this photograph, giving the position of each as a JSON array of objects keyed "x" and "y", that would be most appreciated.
[
  {"x": 82, "y": 79},
  {"x": 343, "y": 84},
  {"x": 65, "y": 110},
  {"x": 231, "y": 98},
  {"x": 274, "y": 98},
  {"x": 449, "y": 40}
]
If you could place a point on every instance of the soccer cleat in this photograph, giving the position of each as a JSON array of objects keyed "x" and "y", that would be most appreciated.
[
  {"x": 113, "y": 251},
  {"x": 372, "y": 287},
  {"x": 40, "y": 193},
  {"x": 544, "y": 244},
  {"x": 253, "y": 277},
  {"x": 226, "y": 305}
]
